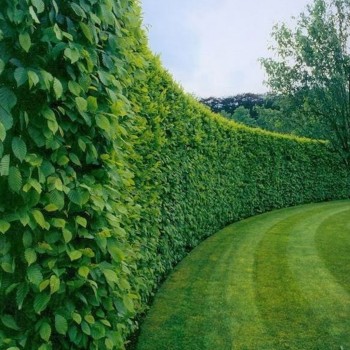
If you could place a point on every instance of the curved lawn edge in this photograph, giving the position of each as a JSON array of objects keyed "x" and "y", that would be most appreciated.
[{"x": 262, "y": 283}]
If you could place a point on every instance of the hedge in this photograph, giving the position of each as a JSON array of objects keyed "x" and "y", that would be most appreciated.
[{"x": 110, "y": 174}]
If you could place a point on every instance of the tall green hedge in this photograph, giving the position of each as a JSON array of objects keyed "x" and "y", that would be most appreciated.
[{"x": 110, "y": 174}]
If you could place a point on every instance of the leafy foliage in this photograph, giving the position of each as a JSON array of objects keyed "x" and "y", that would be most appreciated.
[
  {"x": 115, "y": 173},
  {"x": 311, "y": 66}
]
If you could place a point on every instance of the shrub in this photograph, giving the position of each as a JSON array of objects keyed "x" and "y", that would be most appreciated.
[{"x": 110, "y": 174}]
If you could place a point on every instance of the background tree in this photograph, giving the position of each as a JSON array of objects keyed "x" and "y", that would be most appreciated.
[{"x": 311, "y": 68}]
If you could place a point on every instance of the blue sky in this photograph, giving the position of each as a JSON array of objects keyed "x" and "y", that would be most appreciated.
[{"x": 212, "y": 47}]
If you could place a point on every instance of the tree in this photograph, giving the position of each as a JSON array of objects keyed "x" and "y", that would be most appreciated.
[{"x": 312, "y": 68}]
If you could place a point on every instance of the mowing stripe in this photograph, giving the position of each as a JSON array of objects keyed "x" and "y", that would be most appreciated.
[{"x": 261, "y": 284}]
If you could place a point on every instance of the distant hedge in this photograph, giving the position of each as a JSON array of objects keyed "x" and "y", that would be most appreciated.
[{"x": 110, "y": 174}]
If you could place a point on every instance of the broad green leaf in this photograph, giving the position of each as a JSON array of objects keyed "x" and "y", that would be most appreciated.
[
  {"x": 33, "y": 14},
  {"x": 67, "y": 236},
  {"x": 76, "y": 317},
  {"x": 15, "y": 179},
  {"x": 9, "y": 322},
  {"x": 2, "y": 66},
  {"x": 41, "y": 301},
  {"x": 89, "y": 319},
  {"x": 33, "y": 78},
  {"x": 21, "y": 76},
  {"x": 75, "y": 255},
  {"x": 51, "y": 208},
  {"x": 19, "y": 148},
  {"x": 45, "y": 331},
  {"x": 39, "y": 5},
  {"x": 110, "y": 276},
  {"x": 34, "y": 275},
  {"x": 7, "y": 99},
  {"x": 57, "y": 87},
  {"x": 5, "y": 165},
  {"x": 78, "y": 10},
  {"x": 54, "y": 284},
  {"x": 83, "y": 271},
  {"x": 22, "y": 292},
  {"x": 30, "y": 256},
  {"x": 61, "y": 324},
  {"x": 25, "y": 41},
  {"x": 81, "y": 104},
  {"x": 72, "y": 54},
  {"x": 81, "y": 221},
  {"x": 2, "y": 132},
  {"x": 4, "y": 226},
  {"x": 43, "y": 285},
  {"x": 87, "y": 32},
  {"x": 103, "y": 123},
  {"x": 74, "y": 88},
  {"x": 39, "y": 218}
]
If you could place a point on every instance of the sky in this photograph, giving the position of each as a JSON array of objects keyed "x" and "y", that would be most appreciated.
[{"x": 212, "y": 47}]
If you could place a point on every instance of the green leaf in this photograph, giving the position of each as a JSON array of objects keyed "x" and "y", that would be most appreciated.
[
  {"x": 45, "y": 331},
  {"x": 25, "y": 41},
  {"x": 43, "y": 285},
  {"x": 81, "y": 221},
  {"x": 7, "y": 100},
  {"x": 30, "y": 256},
  {"x": 83, "y": 271},
  {"x": 33, "y": 78},
  {"x": 5, "y": 165},
  {"x": 15, "y": 179},
  {"x": 57, "y": 87},
  {"x": 75, "y": 255},
  {"x": 54, "y": 284},
  {"x": 61, "y": 324},
  {"x": 74, "y": 88},
  {"x": 34, "y": 275},
  {"x": 78, "y": 10},
  {"x": 81, "y": 104},
  {"x": 21, "y": 76},
  {"x": 39, "y": 218},
  {"x": 39, "y": 5},
  {"x": 110, "y": 276},
  {"x": 87, "y": 32},
  {"x": 2, "y": 132},
  {"x": 19, "y": 148},
  {"x": 51, "y": 208},
  {"x": 67, "y": 236},
  {"x": 103, "y": 123},
  {"x": 33, "y": 14},
  {"x": 2, "y": 66},
  {"x": 9, "y": 322},
  {"x": 4, "y": 226},
  {"x": 73, "y": 54},
  {"x": 22, "y": 292},
  {"x": 76, "y": 317},
  {"x": 41, "y": 301}
]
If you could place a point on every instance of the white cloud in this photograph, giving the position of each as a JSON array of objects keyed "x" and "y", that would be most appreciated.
[{"x": 213, "y": 45}]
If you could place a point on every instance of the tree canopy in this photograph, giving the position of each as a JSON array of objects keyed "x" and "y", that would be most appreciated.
[{"x": 311, "y": 65}]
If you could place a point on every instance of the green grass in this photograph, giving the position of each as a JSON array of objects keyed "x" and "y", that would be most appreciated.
[{"x": 280, "y": 280}]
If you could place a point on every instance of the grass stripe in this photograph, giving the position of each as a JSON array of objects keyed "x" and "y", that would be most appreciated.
[{"x": 258, "y": 284}]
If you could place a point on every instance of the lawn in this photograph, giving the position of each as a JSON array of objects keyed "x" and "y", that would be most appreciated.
[{"x": 280, "y": 280}]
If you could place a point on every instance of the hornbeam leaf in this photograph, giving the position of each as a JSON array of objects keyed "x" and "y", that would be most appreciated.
[
  {"x": 9, "y": 322},
  {"x": 2, "y": 132},
  {"x": 61, "y": 324},
  {"x": 25, "y": 41},
  {"x": 19, "y": 148},
  {"x": 39, "y": 5},
  {"x": 57, "y": 87},
  {"x": 4, "y": 226},
  {"x": 45, "y": 331},
  {"x": 41, "y": 301},
  {"x": 5, "y": 165},
  {"x": 21, "y": 76},
  {"x": 15, "y": 179}
]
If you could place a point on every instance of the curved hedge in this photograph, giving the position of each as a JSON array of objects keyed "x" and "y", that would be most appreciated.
[{"x": 109, "y": 173}]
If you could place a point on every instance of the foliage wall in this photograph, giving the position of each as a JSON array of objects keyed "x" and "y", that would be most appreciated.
[{"x": 110, "y": 174}]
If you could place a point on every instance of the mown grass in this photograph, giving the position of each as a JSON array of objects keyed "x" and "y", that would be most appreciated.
[{"x": 275, "y": 281}]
